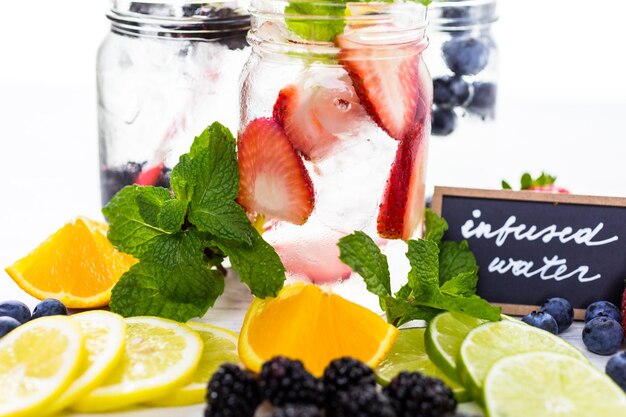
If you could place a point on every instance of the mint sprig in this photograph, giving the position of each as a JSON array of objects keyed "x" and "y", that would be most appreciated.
[
  {"x": 443, "y": 275},
  {"x": 182, "y": 237},
  {"x": 527, "y": 182},
  {"x": 321, "y": 20}
]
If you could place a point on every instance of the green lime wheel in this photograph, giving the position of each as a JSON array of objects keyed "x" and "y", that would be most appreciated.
[
  {"x": 544, "y": 384},
  {"x": 409, "y": 354}
]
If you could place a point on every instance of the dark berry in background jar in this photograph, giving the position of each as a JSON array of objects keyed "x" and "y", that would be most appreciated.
[
  {"x": 16, "y": 310},
  {"x": 466, "y": 56},
  {"x": 49, "y": 307},
  {"x": 483, "y": 101},
  {"x": 444, "y": 122},
  {"x": 449, "y": 92},
  {"x": 603, "y": 335}
]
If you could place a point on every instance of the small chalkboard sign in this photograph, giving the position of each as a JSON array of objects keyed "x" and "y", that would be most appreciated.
[{"x": 531, "y": 246}]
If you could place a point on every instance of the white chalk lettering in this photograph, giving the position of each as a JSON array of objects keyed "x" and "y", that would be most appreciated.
[{"x": 553, "y": 268}]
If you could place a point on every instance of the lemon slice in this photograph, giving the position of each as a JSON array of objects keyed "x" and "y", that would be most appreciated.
[
  {"x": 220, "y": 346},
  {"x": 161, "y": 356},
  {"x": 542, "y": 384},
  {"x": 38, "y": 360},
  {"x": 488, "y": 343},
  {"x": 104, "y": 339}
]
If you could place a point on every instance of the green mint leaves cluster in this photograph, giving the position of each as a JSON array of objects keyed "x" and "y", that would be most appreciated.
[
  {"x": 527, "y": 181},
  {"x": 443, "y": 275},
  {"x": 321, "y": 20},
  {"x": 182, "y": 237}
]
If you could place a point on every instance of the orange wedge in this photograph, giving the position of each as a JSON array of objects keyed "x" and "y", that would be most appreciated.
[
  {"x": 315, "y": 326},
  {"x": 76, "y": 265}
]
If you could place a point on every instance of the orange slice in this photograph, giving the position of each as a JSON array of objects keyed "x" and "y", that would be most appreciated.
[
  {"x": 315, "y": 326},
  {"x": 76, "y": 265}
]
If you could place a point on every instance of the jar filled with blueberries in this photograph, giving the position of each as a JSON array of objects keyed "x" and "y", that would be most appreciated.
[
  {"x": 462, "y": 58},
  {"x": 166, "y": 71}
]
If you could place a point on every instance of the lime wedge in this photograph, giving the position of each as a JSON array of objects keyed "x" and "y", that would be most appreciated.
[
  {"x": 220, "y": 346},
  {"x": 487, "y": 344},
  {"x": 408, "y": 353},
  {"x": 443, "y": 338},
  {"x": 543, "y": 384}
]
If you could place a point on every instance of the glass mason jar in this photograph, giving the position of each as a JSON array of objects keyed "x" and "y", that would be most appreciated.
[
  {"x": 164, "y": 73},
  {"x": 335, "y": 120},
  {"x": 463, "y": 60}
]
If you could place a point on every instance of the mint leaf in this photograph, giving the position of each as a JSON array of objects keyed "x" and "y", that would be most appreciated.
[
  {"x": 472, "y": 306},
  {"x": 258, "y": 265},
  {"x": 463, "y": 284},
  {"x": 399, "y": 311},
  {"x": 424, "y": 274},
  {"x": 454, "y": 259},
  {"x": 506, "y": 185},
  {"x": 173, "y": 281},
  {"x": 361, "y": 253},
  {"x": 208, "y": 177},
  {"x": 139, "y": 215},
  {"x": 435, "y": 226},
  {"x": 318, "y": 30},
  {"x": 526, "y": 182}
]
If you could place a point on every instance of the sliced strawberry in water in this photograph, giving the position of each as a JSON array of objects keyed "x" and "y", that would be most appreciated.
[
  {"x": 401, "y": 210},
  {"x": 315, "y": 111},
  {"x": 272, "y": 178},
  {"x": 550, "y": 188},
  {"x": 150, "y": 176},
  {"x": 385, "y": 79}
]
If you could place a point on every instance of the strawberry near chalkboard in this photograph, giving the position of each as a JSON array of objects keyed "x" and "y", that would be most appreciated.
[{"x": 532, "y": 246}]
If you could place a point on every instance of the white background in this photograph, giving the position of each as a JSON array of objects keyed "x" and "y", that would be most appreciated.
[{"x": 562, "y": 109}]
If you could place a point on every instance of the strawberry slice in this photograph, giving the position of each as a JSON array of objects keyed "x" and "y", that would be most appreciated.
[
  {"x": 272, "y": 178},
  {"x": 150, "y": 176},
  {"x": 403, "y": 203},
  {"x": 385, "y": 79},
  {"x": 314, "y": 111}
]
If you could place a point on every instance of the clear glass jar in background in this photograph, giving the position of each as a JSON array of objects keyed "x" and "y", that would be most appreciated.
[
  {"x": 348, "y": 98},
  {"x": 463, "y": 60},
  {"x": 164, "y": 73}
]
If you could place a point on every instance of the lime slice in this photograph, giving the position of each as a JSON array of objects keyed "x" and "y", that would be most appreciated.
[
  {"x": 408, "y": 353},
  {"x": 104, "y": 339},
  {"x": 220, "y": 346},
  {"x": 38, "y": 361},
  {"x": 488, "y": 343},
  {"x": 543, "y": 384},
  {"x": 444, "y": 336},
  {"x": 161, "y": 356}
]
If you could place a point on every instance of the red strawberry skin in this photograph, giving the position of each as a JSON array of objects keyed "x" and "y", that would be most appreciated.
[
  {"x": 272, "y": 177},
  {"x": 549, "y": 189},
  {"x": 150, "y": 176},
  {"x": 385, "y": 79}
]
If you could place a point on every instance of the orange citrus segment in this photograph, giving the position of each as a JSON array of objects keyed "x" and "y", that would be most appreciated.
[
  {"x": 315, "y": 326},
  {"x": 77, "y": 265}
]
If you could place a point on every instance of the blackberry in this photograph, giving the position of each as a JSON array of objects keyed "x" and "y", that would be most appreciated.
[
  {"x": 232, "y": 392},
  {"x": 285, "y": 381},
  {"x": 292, "y": 410},
  {"x": 415, "y": 395},
  {"x": 343, "y": 374},
  {"x": 362, "y": 402}
]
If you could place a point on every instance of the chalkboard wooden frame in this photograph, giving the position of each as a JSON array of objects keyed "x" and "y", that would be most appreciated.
[{"x": 528, "y": 196}]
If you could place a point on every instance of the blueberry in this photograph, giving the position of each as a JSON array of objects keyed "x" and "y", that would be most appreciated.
[
  {"x": 452, "y": 11},
  {"x": 542, "y": 321},
  {"x": 164, "y": 181},
  {"x": 7, "y": 324},
  {"x": 49, "y": 307},
  {"x": 561, "y": 310},
  {"x": 444, "y": 122},
  {"x": 114, "y": 179},
  {"x": 603, "y": 335},
  {"x": 450, "y": 92},
  {"x": 616, "y": 369},
  {"x": 603, "y": 308},
  {"x": 15, "y": 309},
  {"x": 465, "y": 56},
  {"x": 483, "y": 102}
]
